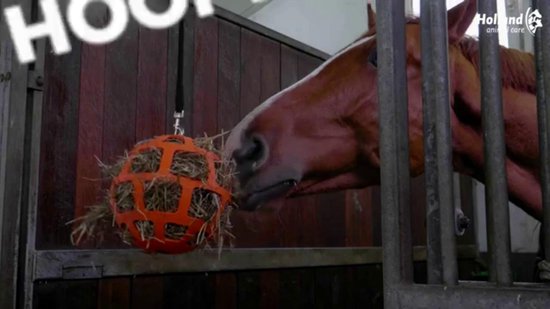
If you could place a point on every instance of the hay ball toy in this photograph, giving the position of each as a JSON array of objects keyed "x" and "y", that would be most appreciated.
[{"x": 170, "y": 194}]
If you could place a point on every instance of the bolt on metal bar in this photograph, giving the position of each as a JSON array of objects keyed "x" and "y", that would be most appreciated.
[
  {"x": 442, "y": 264},
  {"x": 394, "y": 148},
  {"x": 496, "y": 190},
  {"x": 542, "y": 57}
]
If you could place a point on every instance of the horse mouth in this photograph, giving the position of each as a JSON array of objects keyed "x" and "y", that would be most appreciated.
[{"x": 257, "y": 197}]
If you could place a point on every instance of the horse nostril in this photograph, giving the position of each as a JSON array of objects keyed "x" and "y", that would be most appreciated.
[{"x": 252, "y": 151}]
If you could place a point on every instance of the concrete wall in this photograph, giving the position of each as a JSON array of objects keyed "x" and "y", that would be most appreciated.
[{"x": 328, "y": 25}]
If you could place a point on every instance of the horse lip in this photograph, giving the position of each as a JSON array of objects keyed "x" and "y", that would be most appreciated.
[{"x": 278, "y": 189}]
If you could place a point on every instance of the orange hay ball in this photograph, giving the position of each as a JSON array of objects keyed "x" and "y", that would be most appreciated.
[{"x": 170, "y": 228}]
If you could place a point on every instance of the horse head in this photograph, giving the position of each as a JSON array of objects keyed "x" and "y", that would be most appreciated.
[{"x": 321, "y": 134}]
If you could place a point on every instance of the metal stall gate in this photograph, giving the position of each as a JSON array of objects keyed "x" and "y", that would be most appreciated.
[{"x": 444, "y": 290}]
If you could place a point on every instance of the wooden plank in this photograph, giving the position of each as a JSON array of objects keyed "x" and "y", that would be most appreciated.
[
  {"x": 267, "y": 219},
  {"x": 257, "y": 229},
  {"x": 90, "y": 123},
  {"x": 297, "y": 288},
  {"x": 292, "y": 222},
  {"x": 205, "y": 115},
  {"x": 270, "y": 68},
  {"x": 152, "y": 84},
  {"x": 119, "y": 132},
  {"x": 252, "y": 26},
  {"x": 147, "y": 292},
  {"x": 291, "y": 213},
  {"x": 251, "y": 64},
  {"x": 418, "y": 210},
  {"x": 367, "y": 290},
  {"x": 226, "y": 290},
  {"x": 330, "y": 288},
  {"x": 114, "y": 293},
  {"x": 90, "y": 129},
  {"x": 175, "y": 59},
  {"x": 289, "y": 66},
  {"x": 59, "y": 146},
  {"x": 229, "y": 76},
  {"x": 307, "y": 63},
  {"x": 376, "y": 217},
  {"x": 67, "y": 294},
  {"x": 251, "y": 229},
  {"x": 186, "y": 77},
  {"x": 192, "y": 290},
  {"x": 358, "y": 218},
  {"x": 248, "y": 286},
  {"x": 122, "y": 262},
  {"x": 331, "y": 218},
  {"x": 120, "y": 107},
  {"x": 269, "y": 289},
  {"x": 310, "y": 221}
]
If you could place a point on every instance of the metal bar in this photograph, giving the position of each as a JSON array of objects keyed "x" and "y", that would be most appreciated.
[
  {"x": 474, "y": 295},
  {"x": 496, "y": 190},
  {"x": 12, "y": 179},
  {"x": 433, "y": 219},
  {"x": 394, "y": 148},
  {"x": 542, "y": 53},
  {"x": 442, "y": 264},
  {"x": 109, "y": 263},
  {"x": 443, "y": 139},
  {"x": 26, "y": 286}
]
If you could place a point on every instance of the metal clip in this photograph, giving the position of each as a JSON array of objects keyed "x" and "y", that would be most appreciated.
[{"x": 178, "y": 129}]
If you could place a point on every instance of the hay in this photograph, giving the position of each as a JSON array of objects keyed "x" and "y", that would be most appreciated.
[
  {"x": 124, "y": 197},
  {"x": 191, "y": 165},
  {"x": 96, "y": 215},
  {"x": 146, "y": 161},
  {"x": 146, "y": 229},
  {"x": 111, "y": 171},
  {"x": 163, "y": 196},
  {"x": 225, "y": 169},
  {"x": 174, "y": 231},
  {"x": 204, "y": 204}
]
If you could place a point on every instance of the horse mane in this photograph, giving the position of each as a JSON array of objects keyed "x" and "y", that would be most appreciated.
[{"x": 517, "y": 67}]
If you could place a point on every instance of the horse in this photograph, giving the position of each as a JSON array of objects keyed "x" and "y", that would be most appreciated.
[{"x": 322, "y": 133}]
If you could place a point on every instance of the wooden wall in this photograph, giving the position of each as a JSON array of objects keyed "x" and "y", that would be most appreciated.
[{"x": 101, "y": 100}]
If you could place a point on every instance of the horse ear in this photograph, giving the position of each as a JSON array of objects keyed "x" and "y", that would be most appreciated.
[
  {"x": 371, "y": 16},
  {"x": 459, "y": 19}
]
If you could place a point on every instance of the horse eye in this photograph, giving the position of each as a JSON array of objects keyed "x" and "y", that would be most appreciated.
[{"x": 373, "y": 58}]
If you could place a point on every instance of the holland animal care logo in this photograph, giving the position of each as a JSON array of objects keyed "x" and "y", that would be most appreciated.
[
  {"x": 529, "y": 22},
  {"x": 53, "y": 27},
  {"x": 534, "y": 21}
]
